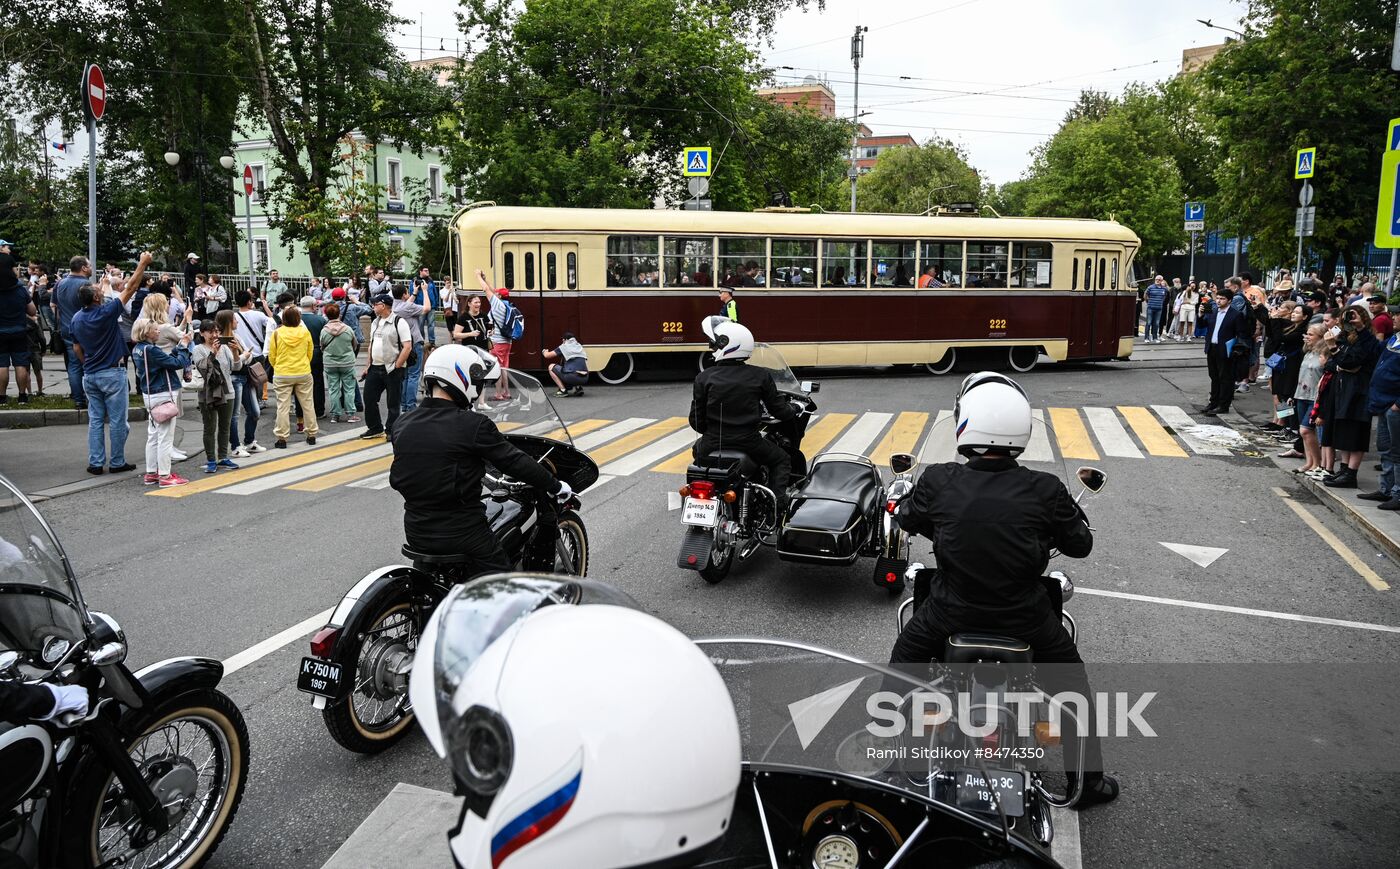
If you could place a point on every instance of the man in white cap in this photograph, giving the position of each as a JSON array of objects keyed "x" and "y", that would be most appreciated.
[{"x": 191, "y": 269}]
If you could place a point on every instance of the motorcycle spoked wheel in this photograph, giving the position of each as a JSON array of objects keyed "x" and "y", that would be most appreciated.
[
  {"x": 374, "y": 716},
  {"x": 722, "y": 552},
  {"x": 571, "y": 547},
  {"x": 194, "y": 753}
]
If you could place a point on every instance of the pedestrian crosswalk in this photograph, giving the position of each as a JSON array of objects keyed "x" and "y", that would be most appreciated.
[{"x": 624, "y": 447}]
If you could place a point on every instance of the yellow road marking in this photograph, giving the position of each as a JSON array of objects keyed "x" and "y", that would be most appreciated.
[
  {"x": 824, "y": 431},
  {"x": 1071, "y": 434},
  {"x": 509, "y": 426},
  {"x": 211, "y": 483},
  {"x": 578, "y": 428},
  {"x": 344, "y": 475},
  {"x": 1357, "y": 563},
  {"x": 901, "y": 437},
  {"x": 637, "y": 439},
  {"x": 1157, "y": 440}
]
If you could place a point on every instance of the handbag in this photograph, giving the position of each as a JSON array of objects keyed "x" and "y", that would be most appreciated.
[
  {"x": 166, "y": 410},
  {"x": 257, "y": 373},
  {"x": 1277, "y": 361}
]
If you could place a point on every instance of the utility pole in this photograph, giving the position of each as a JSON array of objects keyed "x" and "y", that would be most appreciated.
[{"x": 857, "y": 52}]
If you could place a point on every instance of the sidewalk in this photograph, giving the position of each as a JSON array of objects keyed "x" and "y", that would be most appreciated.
[{"x": 1381, "y": 526}]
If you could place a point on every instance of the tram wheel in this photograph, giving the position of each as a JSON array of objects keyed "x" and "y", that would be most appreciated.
[
  {"x": 1023, "y": 359},
  {"x": 705, "y": 360},
  {"x": 944, "y": 365},
  {"x": 618, "y": 370}
]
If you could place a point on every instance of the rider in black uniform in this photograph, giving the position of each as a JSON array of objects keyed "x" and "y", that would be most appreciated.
[
  {"x": 993, "y": 524},
  {"x": 441, "y": 449},
  {"x": 729, "y": 400}
]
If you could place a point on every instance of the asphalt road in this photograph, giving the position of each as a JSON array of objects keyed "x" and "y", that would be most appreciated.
[{"x": 216, "y": 573}]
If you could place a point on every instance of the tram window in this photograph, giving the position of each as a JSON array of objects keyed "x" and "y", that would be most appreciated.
[
  {"x": 843, "y": 264},
  {"x": 632, "y": 261},
  {"x": 509, "y": 270},
  {"x": 571, "y": 270},
  {"x": 893, "y": 263},
  {"x": 529, "y": 271},
  {"x": 689, "y": 262},
  {"x": 551, "y": 270},
  {"x": 986, "y": 264},
  {"x": 946, "y": 257},
  {"x": 1088, "y": 273},
  {"x": 742, "y": 262},
  {"x": 1030, "y": 263},
  {"x": 1113, "y": 274},
  {"x": 794, "y": 262},
  {"x": 1074, "y": 274},
  {"x": 1103, "y": 271}
]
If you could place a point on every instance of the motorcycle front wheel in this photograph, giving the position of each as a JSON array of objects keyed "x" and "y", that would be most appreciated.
[
  {"x": 375, "y": 714},
  {"x": 571, "y": 547},
  {"x": 194, "y": 756}
]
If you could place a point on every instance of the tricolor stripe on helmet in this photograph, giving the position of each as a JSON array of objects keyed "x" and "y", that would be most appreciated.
[{"x": 539, "y": 818}]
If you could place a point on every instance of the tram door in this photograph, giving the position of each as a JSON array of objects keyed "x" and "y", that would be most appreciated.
[
  {"x": 1094, "y": 278},
  {"x": 543, "y": 281}
]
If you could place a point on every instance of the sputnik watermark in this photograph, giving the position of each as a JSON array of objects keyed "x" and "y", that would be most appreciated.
[{"x": 978, "y": 715}]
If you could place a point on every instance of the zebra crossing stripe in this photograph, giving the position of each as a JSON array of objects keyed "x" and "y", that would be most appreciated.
[
  {"x": 1112, "y": 436},
  {"x": 901, "y": 437},
  {"x": 1181, "y": 423},
  {"x": 323, "y": 482},
  {"x": 582, "y": 427},
  {"x": 860, "y": 436},
  {"x": 306, "y": 472},
  {"x": 378, "y": 481},
  {"x": 617, "y": 429},
  {"x": 1071, "y": 434},
  {"x": 941, "y": 443},
  {"x": 677, "y": 442},
  {"x": 226, "y": 478},
  {"x": 636, "y": 440},
  {"x": 1038, "y": 450},
  {"x": 1158, "y": 440},
  {"x": 823, "y": 431}
]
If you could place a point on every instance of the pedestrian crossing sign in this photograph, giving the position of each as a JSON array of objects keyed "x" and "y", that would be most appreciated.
[
  {"x": 1305, "y": 163},
  {"x": 695, "y": 162}
]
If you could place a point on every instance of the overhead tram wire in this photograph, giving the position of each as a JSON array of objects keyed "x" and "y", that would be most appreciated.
[{"x": 880, "y": 27}]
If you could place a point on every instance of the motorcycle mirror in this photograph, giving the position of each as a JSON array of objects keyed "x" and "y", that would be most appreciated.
[
  {"x": 1092, "y": 478},
  {"x": 901, "y": 463},
  {"x": 9, "y": 660},
  {"x": 1066, "y": 585},
  {"x": 109, "y": 655},
  {"x": 810, "y": 386}
]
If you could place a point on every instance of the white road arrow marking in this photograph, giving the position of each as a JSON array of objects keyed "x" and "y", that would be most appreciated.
[
  {"x": 1204, "y": 556},
  {"x": 811, "y": 714}
]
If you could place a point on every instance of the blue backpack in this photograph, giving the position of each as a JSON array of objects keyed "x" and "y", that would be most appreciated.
[{"x": 513, "y": 324}]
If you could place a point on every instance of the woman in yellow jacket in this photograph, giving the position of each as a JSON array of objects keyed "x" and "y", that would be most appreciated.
[{"x": 289, "y": 350}]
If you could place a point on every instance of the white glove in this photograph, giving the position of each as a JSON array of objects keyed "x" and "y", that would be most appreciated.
[
  {"x": 565, "y": 492},
  {"x": 68, "y": 698}
]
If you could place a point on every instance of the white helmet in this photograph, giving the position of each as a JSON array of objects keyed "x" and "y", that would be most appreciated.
[
  {"x": 992, "y": 413},
  {"x": 562, "y": 726},
  {"x": 461, "y": 370},
  {"x": 728, "y": 339}
]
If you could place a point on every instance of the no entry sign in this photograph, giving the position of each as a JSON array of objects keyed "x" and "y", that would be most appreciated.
[
  {"x": 248, "y": 180},
  {"x": 94, "y": 91}
]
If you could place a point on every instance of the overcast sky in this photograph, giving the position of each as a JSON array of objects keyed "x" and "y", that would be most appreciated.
[{"x": 970, "y": 63}]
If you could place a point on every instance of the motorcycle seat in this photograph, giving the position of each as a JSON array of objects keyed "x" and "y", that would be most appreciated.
[
  {"x": 729, "y": 463},
  {"x": 986, "y": 649},
  {"x": 839, "y": 480},
  {"x": 430, "y": 558}
]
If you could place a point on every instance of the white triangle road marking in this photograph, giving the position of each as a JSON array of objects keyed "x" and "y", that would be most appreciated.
[
  {"x": 811, "y": 714},
  {"x": 1203, "y": 556}
]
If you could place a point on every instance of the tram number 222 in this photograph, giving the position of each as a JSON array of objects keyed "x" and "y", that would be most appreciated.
[
  {"x": 672, "y": 327},
  {"x": 996, "y": 325}
]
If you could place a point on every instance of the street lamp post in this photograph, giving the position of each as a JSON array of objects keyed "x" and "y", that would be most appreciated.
[{"x": 172, "y": 158}]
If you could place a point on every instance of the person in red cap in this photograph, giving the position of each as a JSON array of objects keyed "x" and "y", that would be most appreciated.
[{"x": 502, "y": 313}]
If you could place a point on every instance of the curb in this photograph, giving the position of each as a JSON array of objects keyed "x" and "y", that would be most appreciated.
[
  {"x": 1330, "y": 499},
  {"x": 41, "y": 418}
]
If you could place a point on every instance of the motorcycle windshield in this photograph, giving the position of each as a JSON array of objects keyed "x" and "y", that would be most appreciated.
[
  {"x": 812, "y": 712},
  {"x": 527, "y": 412},
  {"x": 768, "y": 357},
  {"x": 41, "y": 609}
]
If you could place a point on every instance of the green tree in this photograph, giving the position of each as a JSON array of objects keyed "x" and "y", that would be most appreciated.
[
  {"x": 588, "y": 103},
  {"x": 1308, "y": 74},
  {"x": 911, "y": 180},
  {"x": 319, "y": 71},
  {"x": 343, "y": 223}
]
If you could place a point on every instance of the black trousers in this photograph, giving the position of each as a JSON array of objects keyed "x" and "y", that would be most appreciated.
[
  {"x": 926, "y": 636},
  {"x": 379, "y": 382},
  {"x": 766, "y": 453},
  {"x": 1222, "y": 377}
]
